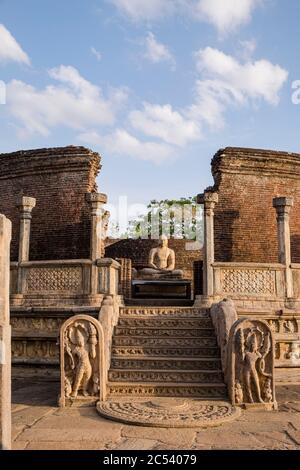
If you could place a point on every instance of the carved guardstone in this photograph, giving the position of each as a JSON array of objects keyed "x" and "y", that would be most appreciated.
[
  {"x": 82, "y": 362},
  {"x": 251, "y": 365}
]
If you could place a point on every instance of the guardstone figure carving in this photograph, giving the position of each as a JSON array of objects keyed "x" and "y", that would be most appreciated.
[
  {"x": 251, "y": 364},
  {"x": 81, "y": 359}
]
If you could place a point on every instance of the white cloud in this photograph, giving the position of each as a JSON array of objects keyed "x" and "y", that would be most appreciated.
[
  {"x": 225, "y": 15},
  {"x": 157, "y": 52},
  {"x": 164, "y": 123},
  {"x": 74, "y": 102},
  {"x": 10, "y": 50},
  {"x": 122, "y": 143},
  {"x": 227, "y": 82},
  {"x": 141, "y": 10},
  {"x": 96, "y": 53}
]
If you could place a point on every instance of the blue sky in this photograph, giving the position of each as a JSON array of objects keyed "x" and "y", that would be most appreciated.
[{"x": 156, "y": 86}]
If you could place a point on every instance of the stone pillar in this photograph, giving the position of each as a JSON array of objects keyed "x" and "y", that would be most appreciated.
[
  {"x": 5, "y": 336},
  {"x": 283, "y": 207},
  {"x": 209, "y": 200},
  {"x": 96, "y": 201},
  {"x": 25, "y": 205}
]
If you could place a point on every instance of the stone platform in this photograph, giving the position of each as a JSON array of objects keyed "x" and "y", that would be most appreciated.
[{"x": 38, "y": 424}]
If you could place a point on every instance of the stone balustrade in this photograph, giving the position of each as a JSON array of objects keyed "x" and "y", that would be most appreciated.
[
  {"x": 249, "y": 281},
  {"x": 63, "y": 282}
]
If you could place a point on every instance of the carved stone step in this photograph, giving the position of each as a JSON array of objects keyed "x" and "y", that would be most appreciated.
[
  {"x": 156, "y": 351},
  {"x": 157, "y": 342},
  {"x": 160, "y": 322},
  {"x": 164, "y": 312},
  {"x": 215, "y": 377},
  {"x": 160, "y": 302},
  {"x": 165, "y": 363},
  {"x": 188, "y": 390},
  {"x": 165, "y": 332}
]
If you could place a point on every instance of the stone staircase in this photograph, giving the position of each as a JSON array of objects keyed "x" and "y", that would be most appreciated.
[{"x": 165, "y": 352}]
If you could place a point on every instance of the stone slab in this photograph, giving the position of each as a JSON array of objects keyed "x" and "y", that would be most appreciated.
[
  {"x": 169, "y": 436},
  {"x": 84, "y": 429}
]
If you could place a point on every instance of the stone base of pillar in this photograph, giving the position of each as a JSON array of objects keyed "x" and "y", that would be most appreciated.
[
  {"x": 5, "y": 387},
  {"x": 292, "y": 304},
  {"x": 203, "y": 301},
  {"x": 93, "y": 299},
  {"x": 17, "y": 300}
]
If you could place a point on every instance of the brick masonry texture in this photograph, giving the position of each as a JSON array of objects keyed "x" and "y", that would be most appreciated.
[
  {"x": 247, "y": 180},
  {"x": 58, "y": 178}
]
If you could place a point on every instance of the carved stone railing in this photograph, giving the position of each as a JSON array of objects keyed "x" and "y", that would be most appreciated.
[
  {"x": 108, "y": 276},
  {"x": 108, "y": 318},
  {"x": 223, "y": 316},
  {"x": 63, "y": 282},
  {"x": 249, "y": 280}
]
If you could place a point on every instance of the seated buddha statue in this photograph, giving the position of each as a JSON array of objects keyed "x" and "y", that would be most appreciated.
[{"x": 161, "y": 263}]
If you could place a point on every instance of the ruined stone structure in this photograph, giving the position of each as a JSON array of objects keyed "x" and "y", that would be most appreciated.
[
  {"x": 158, "y": 347},
  {"x": 5, "y": 337},
  {"x": 58, "y": 179},
  {"x": 58, "y": 226},
  {"x": 247, "y": 181}
]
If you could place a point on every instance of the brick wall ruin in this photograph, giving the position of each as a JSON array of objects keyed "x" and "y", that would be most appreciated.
[
  {"x": 58, "y": 178},
  {"x": 247, "y": 180}
]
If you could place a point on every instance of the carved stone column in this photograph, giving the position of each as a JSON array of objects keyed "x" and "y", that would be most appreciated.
[
  {"x": 283, "y": 207},
  {"x": 5, "y": 336},
  {"x": 209, "y": 200},
  {"x": 96, "y": 201},
  {"x": 25, "y": 205}
]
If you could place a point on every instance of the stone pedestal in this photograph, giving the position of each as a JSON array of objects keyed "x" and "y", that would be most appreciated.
[
  {"x": 283, "y": 207},
  {"x": 209, "y": 200},
  {"x": 5, "y": 336}
]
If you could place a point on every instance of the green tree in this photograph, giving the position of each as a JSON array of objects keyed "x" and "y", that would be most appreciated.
[{"x": 176, "y": 218}]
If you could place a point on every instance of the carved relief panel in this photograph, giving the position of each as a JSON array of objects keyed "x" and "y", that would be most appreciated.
[
  {"x": 251, "y": 364},
  {"x": 82, "y": 361}
]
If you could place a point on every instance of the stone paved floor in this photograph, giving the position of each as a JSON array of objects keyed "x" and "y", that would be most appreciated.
[{"x": 39, "y": 424}]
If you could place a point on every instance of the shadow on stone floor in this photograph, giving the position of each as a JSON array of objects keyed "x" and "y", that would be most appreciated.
[{"x": 32, "y": 392}]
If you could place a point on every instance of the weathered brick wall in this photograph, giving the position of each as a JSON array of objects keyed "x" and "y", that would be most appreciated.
[
  {"x": 58, "y": 178},
  {"x": 138, "y": 252},
  {"x": 247, "y": 180}
]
